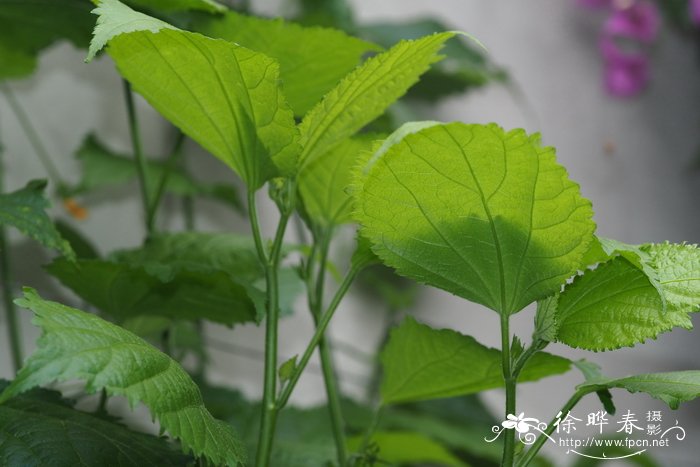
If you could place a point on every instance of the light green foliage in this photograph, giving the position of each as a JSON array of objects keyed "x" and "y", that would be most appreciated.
[
  {"x": 465, "y": 66},
  {"x": 103, "y": 167},
  {"x": 288, "y": 368},
  {"x": 78, "y": 345},
  {"x": 397, "y": 448},
  {"x": 485, "y": 214},
  {"x": 312, "y": 59},
  {"x": 224, "y": 96},
  {"x": 672, "y": 388},
  {"x": 210, "y": 6},
  {"x": 419, "y": 364},
  {"x": 30, "y": 26},
  {"x": 678, "y": 270},
  {"x": 324, "y": 181},
  {"x": 39, "y": 428},
  {"x": 612, "y": 306},
  {"x": 25, "y": 210},
  {"x": 365, "y": 94}
]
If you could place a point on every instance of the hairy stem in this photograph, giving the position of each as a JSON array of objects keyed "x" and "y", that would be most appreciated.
[
  {"x": 318, "y": 335},
  {"x": 510, "y": 383},
  {"x": 33, "y": 137},
  {"x": 139, "y": 158},
  {"x": 329, "y": 376},
  {"x": 271, "y": 264},
  {"x": 537, "y": 445}
]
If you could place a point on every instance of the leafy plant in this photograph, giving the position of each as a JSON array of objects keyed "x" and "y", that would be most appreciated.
[{"x": 483, "y": 213}]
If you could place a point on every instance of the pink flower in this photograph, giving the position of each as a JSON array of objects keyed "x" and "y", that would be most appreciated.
[
  {"x": 640, "y": 21},
  {"x": 625, "y": 74},
  {"x": 694, "y": 6}
]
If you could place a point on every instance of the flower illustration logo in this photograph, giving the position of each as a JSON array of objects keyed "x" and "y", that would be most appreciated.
[{"x": 519, "y": 423}]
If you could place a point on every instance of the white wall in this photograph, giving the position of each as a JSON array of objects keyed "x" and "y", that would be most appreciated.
[{"x": 643, "y": 191}]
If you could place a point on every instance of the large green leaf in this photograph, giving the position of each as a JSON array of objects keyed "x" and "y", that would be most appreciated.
[
  {"x": 672, "y": 388},
  {"x": 78, "y": 345},
  {"x": 103, "y": 167},
  {"x": 224, "y": 96},
  {"x": 312, "y": 59},
  {"x": 324, "y": 181},
  {"x": 420, "y": 363},
  {"x": 612, "y": 306},
  {"x": 30, "y": 26},
  {"x": 24, "y": 209},
  {"x": 365, "y": 94},
  {"x": 465, "y": 67},
  {"x": 39, "y": 428},
  {"x": 400, "y": 447},
  {"x": 485, "y": 214}
]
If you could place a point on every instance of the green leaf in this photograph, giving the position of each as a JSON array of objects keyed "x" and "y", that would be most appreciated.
[
  {"x": 78, "y": 345},
  {"x": 288, "y": 368},
  {"x": 398, "y": 447},
  {"x": 189, "y": 275},
  {"x": 465, "y": 66},
  {"x": 678, "y": 270},
  {"x": 591, "y": 372},
  {"x": 365, "y": 94},
  {"x": 604, "y": 249},
  {"x": 613, "y": 306},
  {"x": 81, "y": 245},
  {"x": 103, "y": 167},
  {"x": 39, "y": 428},
  {"x": 323, "y": 182},
  {"x": 672, "y": 388},
  {"x": 180, "y": 5},
  {"x": 485, "y": 214},
  {"x": 25, "y": 210},
  {"x": 126, "y": 291},
  {"x": 30, "y": 26},
  {"x": 419, "y": 364},
  {"x": 224, "y": 96},
  {"x": 308, "y": 72}
]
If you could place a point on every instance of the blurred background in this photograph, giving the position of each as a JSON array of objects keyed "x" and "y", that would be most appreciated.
[{"x": 632, "y": 146}]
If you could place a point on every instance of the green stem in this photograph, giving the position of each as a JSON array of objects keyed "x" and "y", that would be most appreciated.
[
  {"x": 271, "y": 262},
  {"x": 318, "y": 335},
  {"x": 139, "y": 159},
  {"x": 329, "y": 376},
  {"x": 163, "y": 182},
  {"x": 13, "y": 330},
  {"x": 537, "y": 445},
  {"x": 536, "y": 346},
  {"x": 33, "y": 137},
  {"x": 510, "y": 383}
]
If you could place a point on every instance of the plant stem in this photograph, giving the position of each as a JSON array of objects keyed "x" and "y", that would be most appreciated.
[
  {"x": 536, "y": 346},
  {"x": 163, "y": 181},
  {"x": 329, "y": 376},
  {"x": 33, "y": 137},
  {"x": 510, "y": 383},
  {"x": 271, "y": 263},
  {"x": 537, "y": 445},
  {"x": 139, "y": 159},
  {"x": 13, "y": 330},
  {"x": 318, "y": 335}
]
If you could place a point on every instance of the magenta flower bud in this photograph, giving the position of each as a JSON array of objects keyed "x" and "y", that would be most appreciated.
[
  {"x": 639, "y": 21},
  {"x": 694, "y": 6}
]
